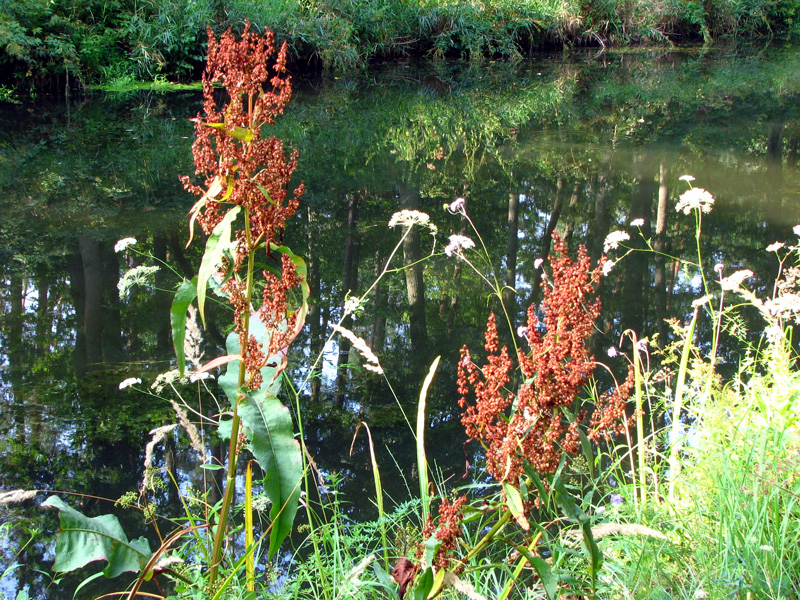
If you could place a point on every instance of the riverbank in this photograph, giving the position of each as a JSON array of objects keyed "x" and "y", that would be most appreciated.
[{"x": 52, "y": 47}]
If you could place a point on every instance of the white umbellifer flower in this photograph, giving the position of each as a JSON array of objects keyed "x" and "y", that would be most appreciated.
[
  {"x": 607, "y": 266},
  {"x": 140, "y": 275},
  {"x": 409, "y": 218},
  {"x": 695, "y": 198},
  {"x": 796, "y": 230},
  {"x": 774, "y": 246},
  {"x": 719, "y": 267},
  {"x": 194, "y": 377},
  {"x": 124, "y": 243},
  {"x": 129, "y": 382},
  {"x": 613, "y": 239},
  {"x": 612, "y": 352},
  {"x": 734, "y": 282},
  {"x": 458, "y": 243},
  {"x": 352, "y": 305},
  {"x": 522, "y": 331},
  {"x": 165, "y": 379},
  {"x": 701, "y": 301},
  {"x": 685, "y": 178},
  {"x": 637, "y": 222},
  {"x": 783, "y": 306},
  {"x": 538, "y": 263},
  {"x": 373, "y": 364}
]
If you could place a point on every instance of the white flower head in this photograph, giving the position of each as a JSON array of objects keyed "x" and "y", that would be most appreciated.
[
  {"x": 458, "y": 243},
  {"x": 353, "y": 306},
  {"x": 141, "y": 275},
  {"x": 612, "y": 352},
  {"x": 734, "y": 282},
  {"x": 637, "y": 222},
  {"x": 537, "y": 263},
  {"x": 695, "y": 199},
  {"x": 688, "y": 178},
  {"x": 613, "y": 239},
  {"x": 796, "y": 230},
  {"x": 458, "y": 206},
  {"x": 124, "y": 243},
  {"x": 775, "y": 246},
  {"x": 719, "y": 267},
  {"x": 607, "y": 266},
  {"x": 129, "y": 382},
  {"x": 522, "y": 331},
  {"x": 701, "y": 301},
  {"x": 194, "y": 377},
  {"x": 409, "y": 218}
]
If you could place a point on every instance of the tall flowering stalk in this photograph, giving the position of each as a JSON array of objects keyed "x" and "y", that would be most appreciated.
[
  {"x": 539, "y": 428},
  {"x": 246, "y": 181}
]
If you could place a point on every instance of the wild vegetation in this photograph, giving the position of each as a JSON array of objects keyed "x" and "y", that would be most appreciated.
[
  {"x": 53, "y": 46},
  {"x": 674, "y": 482}
]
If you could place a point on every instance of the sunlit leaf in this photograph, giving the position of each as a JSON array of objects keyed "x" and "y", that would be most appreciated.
[
  {"x": 185, "y": 295},
  {"x": 268, "y": 427},
  {"x": 514, "y": 503},
  {"x": 218, "y": 242}
]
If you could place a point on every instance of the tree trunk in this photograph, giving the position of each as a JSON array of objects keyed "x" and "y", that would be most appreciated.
[
  {"x": 512, "y": 243},
  {"x": 349, "y": 284},
  {"x": 415, "y": 286}
]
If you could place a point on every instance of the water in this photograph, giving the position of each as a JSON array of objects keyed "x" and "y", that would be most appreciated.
[{"x": 577, "y": 143}]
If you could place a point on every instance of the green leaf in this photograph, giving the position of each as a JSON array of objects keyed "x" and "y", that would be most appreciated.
[
  {"x": 268, "y": 427},
  {"x": 218, "y": 242},
  {"x": 424, "y": 585},
  {"x": 83, "y": 540},
  {"x": 572, "y": 511},
  {"x": 185, "y": 295},
  {"x": 514, "y": 503},
  {"x": 549, "y": 579}
]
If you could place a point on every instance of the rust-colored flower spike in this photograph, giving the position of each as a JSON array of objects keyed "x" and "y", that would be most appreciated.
[
  {"x": 559, "y": 364},
  {"x": 448, "y": 533},
  {"x": 237, "y": 164}
]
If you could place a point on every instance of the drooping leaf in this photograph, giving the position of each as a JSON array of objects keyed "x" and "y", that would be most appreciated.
[
  {"x": 83, "y": 540},
  {"x": 268, "y": 427},
  {"x": 185, "y": 295},
  {"x": 514, "y": 503},
  {"x": 218, "y": 242},
  {"x": 422, "y": 461}
]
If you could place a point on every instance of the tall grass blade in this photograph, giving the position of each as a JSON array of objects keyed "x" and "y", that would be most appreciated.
[
  {"x": 376, "y": 475},
  {"x": 422, "y": 462},
  {"x": 677, "y": 408},
  {"x": 250, "y": 565}
]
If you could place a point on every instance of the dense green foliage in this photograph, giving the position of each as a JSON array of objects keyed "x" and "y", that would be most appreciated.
[{"x": 52, "y": 45}]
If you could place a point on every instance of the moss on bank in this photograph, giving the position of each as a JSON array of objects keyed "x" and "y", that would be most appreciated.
[{"x": 50, "y": 46}]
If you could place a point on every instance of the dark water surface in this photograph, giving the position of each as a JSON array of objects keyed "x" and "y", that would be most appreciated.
[{"x": 581, "y": 144}]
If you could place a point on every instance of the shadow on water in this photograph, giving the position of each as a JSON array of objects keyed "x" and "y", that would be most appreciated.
[{"x": 582, "y": 145}]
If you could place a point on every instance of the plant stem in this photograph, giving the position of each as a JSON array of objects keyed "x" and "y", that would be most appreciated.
[{"x": 230, "y": 481}]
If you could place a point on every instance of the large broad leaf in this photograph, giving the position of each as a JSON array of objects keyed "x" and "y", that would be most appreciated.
[
  {"x": 268, "y": 427},
  {"x": 83, "y": 540},
  {"x": 218, "y": 242},
  {"x": 177, "y": 316}
]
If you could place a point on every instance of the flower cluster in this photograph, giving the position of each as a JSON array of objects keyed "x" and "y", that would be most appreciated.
[
  {"x": 238, "y": 165},
  {"x": 448, "y": 532},
  {"x": 695, "y": 199},
  {"x": 559, "y": 364}
]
